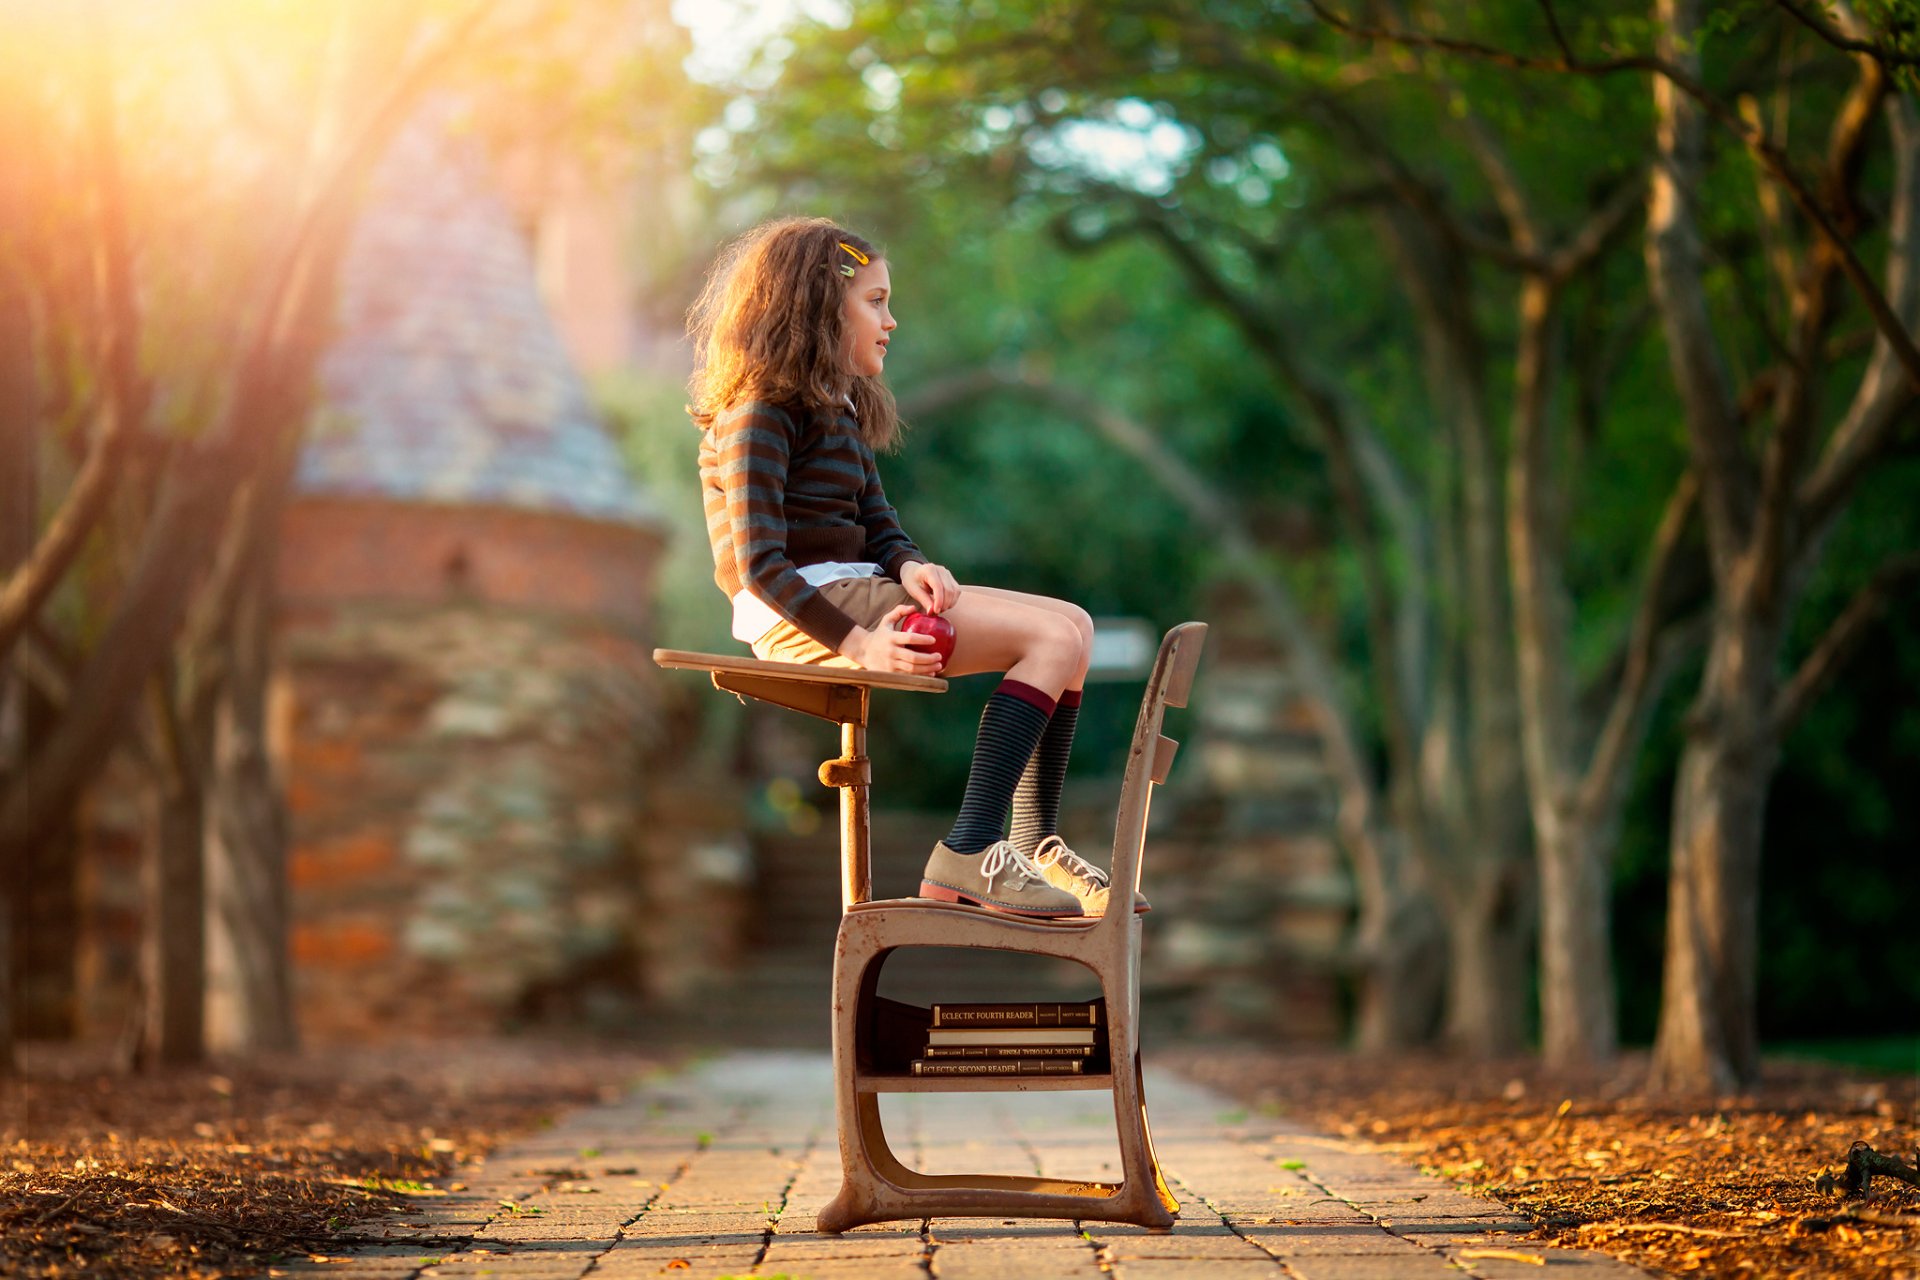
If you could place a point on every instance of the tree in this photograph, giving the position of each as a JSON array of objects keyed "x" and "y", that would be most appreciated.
[
  {"x": 1766, "y": 503},
  {"x": 1768, "y": 507},
  {"x": 1267, "y": 105},
  {"x": 216, "y": 290}
]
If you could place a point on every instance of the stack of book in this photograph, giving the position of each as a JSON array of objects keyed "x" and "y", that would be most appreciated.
[{"x": 1020, "y": 1039}]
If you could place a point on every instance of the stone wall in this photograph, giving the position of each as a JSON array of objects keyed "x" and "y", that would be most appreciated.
[
  {"x": 341, "y": 550},
  {"x": 477, "y": 835},
  {"x": 1257, "y": 901}
]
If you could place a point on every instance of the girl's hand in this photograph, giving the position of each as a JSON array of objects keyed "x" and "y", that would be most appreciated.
[
  {"x": 930, "y": 584},
  {"x": 890, "y": 649}
]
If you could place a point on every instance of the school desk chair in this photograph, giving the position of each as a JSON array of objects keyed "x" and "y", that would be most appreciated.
[{"x": 874, "y": 1038}]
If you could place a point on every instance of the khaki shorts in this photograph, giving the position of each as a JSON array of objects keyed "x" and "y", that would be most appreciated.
[{"x": 865, "y": 600}]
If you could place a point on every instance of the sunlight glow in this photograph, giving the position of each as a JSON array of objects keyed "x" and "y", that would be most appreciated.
[
  {"x": 728, "y": 34},
  {"x": 1138, "y": 147}
]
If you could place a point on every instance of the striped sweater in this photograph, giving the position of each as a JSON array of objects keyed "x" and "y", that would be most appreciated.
[{"x": 784, "y": 489}]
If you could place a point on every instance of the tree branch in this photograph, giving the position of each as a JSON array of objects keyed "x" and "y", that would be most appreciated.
[
  {"x": 1553, "y": 25},
  {"x": 1673, "y": 246},
  {"x": 1775, "y": 235},
  {"x": 1818, "y": 25},
  {"x": 1620, "y": 730},
  {"x": 1771, "y": 157},
  {"x": 1418, "y": 196},
  {"x": 1783, "y": 462},
  {"x": 1323, "y": 409},
  {"x": 1573, "y": 257},
  {"x": 1840, "y": 641},
  {"x": 124, "y": 403},
  {"x": 1884, "y": 396},
  {"x": 187, "y": 520},
  {"x": 1539, "y": 581}
]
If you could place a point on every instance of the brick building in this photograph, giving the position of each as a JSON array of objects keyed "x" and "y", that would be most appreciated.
[{"x": 465, "y": 693}]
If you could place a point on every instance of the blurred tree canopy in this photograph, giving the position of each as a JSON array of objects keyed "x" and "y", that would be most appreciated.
[
  {"x": 1242, "y": 222},
  {"x": 177, "y": 192}
]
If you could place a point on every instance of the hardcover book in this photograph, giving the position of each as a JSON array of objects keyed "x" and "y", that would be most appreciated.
[
  {"x": 1008, "y": 1051},
  {"x": 998, "y": 1067},
  {"x": 1030, "y": 1013},
  {"x": 1079, "y": 1036}
]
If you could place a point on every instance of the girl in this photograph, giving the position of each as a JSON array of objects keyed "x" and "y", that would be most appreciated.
[{"x": 790, "y": 341}]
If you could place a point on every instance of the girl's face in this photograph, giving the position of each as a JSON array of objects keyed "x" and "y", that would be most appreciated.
[{"x": 866, "y": 319}]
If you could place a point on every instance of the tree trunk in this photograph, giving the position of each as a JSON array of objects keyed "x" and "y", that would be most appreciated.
[
  {"x": 1487, "y": 944},
  {"x": 7, "y": 1066},
  {"x": 250, "y": 989},
  {"x": 1708, "y": 1039},
  {"x": 1573, "y": 840},
  {"x": 19, "y": 524},
  {"x": 1483, "y": 813},
  {"x": 1579, "y": 1014},
  {"x": 1401, "y": 964},
  {"x": 173, "y": 553},
  {"x": 46, "y": 907},
  {"x": 175, "y": 944}
]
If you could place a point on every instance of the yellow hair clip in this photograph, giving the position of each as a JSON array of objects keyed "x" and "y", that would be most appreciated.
[{"x": 855, "y": 254}]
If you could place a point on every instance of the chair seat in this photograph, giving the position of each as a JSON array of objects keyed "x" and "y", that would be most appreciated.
[
  {"x": 967, "y": 910},
  {"x": 798, "y": 672}
]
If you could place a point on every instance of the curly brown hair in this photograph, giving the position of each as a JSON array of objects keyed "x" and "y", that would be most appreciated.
[{"x": 767, "y": 326}]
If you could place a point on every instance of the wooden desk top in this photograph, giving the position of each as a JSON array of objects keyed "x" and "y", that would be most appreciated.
[{"x": 798, "y": 672}]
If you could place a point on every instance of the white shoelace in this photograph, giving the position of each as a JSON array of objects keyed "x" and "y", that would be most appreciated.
[
  {"x": 1053, "y": 849},
  {"x": 1002, "y": 855}
]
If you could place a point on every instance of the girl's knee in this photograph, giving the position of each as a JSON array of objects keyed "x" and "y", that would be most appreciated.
[
  {"x": 1062, "y": 636},
  {"x": 1084, "y": 622}
]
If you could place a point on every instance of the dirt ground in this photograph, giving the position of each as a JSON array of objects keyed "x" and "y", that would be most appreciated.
[
  {"x": 215, "y": 1172},
  {"x": 1715, "y": 1187},
  {"x": 219, "y": 1171}
]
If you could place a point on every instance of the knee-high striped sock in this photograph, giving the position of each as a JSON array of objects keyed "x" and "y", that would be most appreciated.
[
  {"x": 1036, "y": 801},
  {"x": 1010, "y": 728}
]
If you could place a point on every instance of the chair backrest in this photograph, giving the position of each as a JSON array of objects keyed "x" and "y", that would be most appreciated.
[{"x": 1150, "y": 757}]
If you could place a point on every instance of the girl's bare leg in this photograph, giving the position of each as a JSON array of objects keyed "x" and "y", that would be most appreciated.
[{"x": 1034, "y": 639}]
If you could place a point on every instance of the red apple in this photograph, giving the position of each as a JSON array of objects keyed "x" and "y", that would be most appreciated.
[{"x": 928, "y": 624}]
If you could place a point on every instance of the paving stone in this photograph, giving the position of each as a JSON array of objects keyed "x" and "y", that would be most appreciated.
[
  {"x": 724, "y": 1171},
  {"x": 510, "y": 1269},
  {"x": 1290, "y": 1209},
  {"x": 1570, "y": 1263},
  {"x": 787, "y": 1251},
  {"x": 1255, "y": 1268},
  {"x": 1183, "y": 1245},
  {"x": 1013, "y": 1261},
  {"x": 889, "y": 1268},
  {"x": 1417, "y": 1264},
  {"x": 1465, "y": 1227},
  {"x": 639, "y": 1255},
  {"x": 1306, "y": 1239}
]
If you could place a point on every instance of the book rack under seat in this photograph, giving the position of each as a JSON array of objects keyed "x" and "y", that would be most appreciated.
[{"x": 870, "y": 1033}]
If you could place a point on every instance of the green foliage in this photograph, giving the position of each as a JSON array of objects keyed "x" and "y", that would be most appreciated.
[
  {"x": 1838, "y": 954},
  {"x": 1891, "y": 1054},
  {"x": 1012, "y": 156}
]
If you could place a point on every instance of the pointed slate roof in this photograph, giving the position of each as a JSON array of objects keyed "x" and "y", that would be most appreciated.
[{"x": 448, "y": 381}]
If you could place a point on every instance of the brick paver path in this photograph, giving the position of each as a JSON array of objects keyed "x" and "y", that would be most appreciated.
[{"x": 719, "y": 1171}]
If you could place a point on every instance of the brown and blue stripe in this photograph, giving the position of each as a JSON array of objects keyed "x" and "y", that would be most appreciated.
[{"x": 782, "y": 490}]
